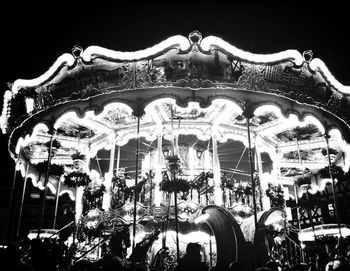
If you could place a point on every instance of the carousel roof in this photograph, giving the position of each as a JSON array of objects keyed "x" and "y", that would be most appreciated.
[{"x": 198, "y": 87}]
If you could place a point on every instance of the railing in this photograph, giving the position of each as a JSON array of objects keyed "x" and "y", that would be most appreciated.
[
  {"x": 25, "y": 253},
  {"x": 100, "y": 243},
  {"x": 292, "y": 251},
  {"x": 61, "y": 229}
]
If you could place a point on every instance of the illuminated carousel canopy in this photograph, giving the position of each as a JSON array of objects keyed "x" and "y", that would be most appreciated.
[
  {"x": 200, "y": 102},
  {"x": 204, "y": 87}
]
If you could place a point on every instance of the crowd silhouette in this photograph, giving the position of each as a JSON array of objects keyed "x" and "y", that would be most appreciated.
[{"x": 51, "y": 255}]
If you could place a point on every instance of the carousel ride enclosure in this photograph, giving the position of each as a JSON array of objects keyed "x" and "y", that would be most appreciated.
[{"x": 192, "y": 136}]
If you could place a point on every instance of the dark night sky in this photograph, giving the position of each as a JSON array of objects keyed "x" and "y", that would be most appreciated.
[{"x": 34, "y": 36}]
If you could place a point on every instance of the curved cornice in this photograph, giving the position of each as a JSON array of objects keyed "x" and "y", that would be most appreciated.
[
  {"x": 66, "y": 63},
  {"x": 178, "y": 42},
  {"x": 182, "y": 43},
  {"x": 314, "y": 65},
  {"x": 65, "y": 59},
  {"x": 212, "y": 41},
  {"x": 318, "y": 65}
]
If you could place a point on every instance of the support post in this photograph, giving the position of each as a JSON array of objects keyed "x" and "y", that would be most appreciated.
[
  {"x": 176, "y": 226},
  {"x": 136, "y": 181},
  {"x": 9, "y": 231},
  {"x": 298, "y": 216},
  {"x": 43, "y": 205},
  {"x": 58, "y": 187},
  {"x": 106, "y": 202},
  {"x": 333, "y": 186},
  {"x": 218, "y": 193},
  {"x": 252, "y": 175},
  {"x": 22, "y": 202},
  {"x": 309, "y": 214}
]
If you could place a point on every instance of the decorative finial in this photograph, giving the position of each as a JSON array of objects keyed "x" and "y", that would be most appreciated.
[
  {"x": 307, "y": 55},
  {"x": 195, "y": 37},
  {"x": 77, "y": 51}
]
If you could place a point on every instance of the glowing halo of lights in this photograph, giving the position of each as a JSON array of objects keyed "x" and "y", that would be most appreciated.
[
  {"x": 65, "y": 59},
  {"x": 317, "y": 64},
  {"x": 308, "y": 234},
  {"x": 96, "y": 51},
  {"x": 211, "y": 41}
]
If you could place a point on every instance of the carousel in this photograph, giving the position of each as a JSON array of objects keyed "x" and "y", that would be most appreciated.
[{"x": 192, "y": 137}]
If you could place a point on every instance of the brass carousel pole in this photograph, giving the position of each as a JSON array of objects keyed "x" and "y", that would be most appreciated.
[
  {"x": 150, "y": 181},
  {"x": 118, "y": 160},
  {"x": 297, "y": 201},
  {"x": 298, "y": 217},
  {"x": 252, "y": 175},
  {"x": 22, "y": 202},
  {"x": 210, "y": 243},
  {"x": 333, "y": 186},
  {"x": 136, "y": 180},
  {"x": 9, "y": 235},
  {"x": 174, "y": 152},
  {"x": 58, "y": 187},
  {"x": 42, "y": 213},
  {"x": 307, "y": 192}
]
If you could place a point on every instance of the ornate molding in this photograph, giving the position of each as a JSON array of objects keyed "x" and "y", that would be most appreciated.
[{"x": 193, "y": 63}]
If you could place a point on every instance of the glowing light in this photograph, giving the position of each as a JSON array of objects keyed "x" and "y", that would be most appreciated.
[
  {"x": 312, "y": 120},
  {"x": 217, "y": 175},
  {"x": 5, "y": 114},
  {"x": 96, "y": 51},
  {"x": 29, "y": 105},
  {"x": 65, "y": 59},
  {"x": 51, "y": 187},
  {"x": 158, "y": 173},
  {"x": 268, "y": 108},
  {"x": 79, "y": 202},
  {"x": 201, "y": 218},
  {"x": 337, "y": 139},
  {"x": 69, "y": 192},
  {"x": 211, "y": 41},
  {"x": 317, "y": 64},
  {"x": 23, "y": 169},
  {"x": 285, "y": 193},
  {"x": 44, "y": 233},
  {"x": 323, "y": 230},
  {"x": 106, "y": 200}
]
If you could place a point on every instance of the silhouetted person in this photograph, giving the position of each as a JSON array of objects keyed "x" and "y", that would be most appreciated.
[
  {"x": 115, "y": 259},
  {"x": 192, "y": 259}
]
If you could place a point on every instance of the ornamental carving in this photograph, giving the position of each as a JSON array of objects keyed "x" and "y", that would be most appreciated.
[{"x": 200, "y": 65}]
